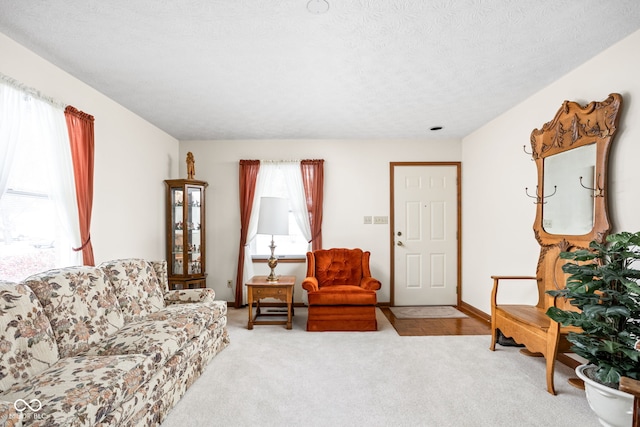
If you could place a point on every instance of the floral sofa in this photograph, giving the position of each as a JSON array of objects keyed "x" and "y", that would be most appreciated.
[{"x": 107, "y": 345}]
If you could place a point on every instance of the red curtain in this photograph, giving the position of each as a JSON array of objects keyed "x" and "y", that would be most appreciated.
[
  {"x": 248, "y": 177},
  {"x": 313, "y": 181},
  {"x": 81, "y": 137}
]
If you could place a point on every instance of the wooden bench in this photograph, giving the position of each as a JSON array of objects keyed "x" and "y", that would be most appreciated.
[
  {"x": 631, "y": 386},
  {"x": 529, "y": 325}
]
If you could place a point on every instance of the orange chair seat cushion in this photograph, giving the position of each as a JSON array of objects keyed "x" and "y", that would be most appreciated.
[{"x": 342, "y": 295}]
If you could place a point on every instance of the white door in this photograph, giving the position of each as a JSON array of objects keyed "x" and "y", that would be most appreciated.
[{"x": 425, "y": 232}]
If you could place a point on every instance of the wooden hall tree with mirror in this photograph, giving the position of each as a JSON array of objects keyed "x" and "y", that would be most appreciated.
[{"x": 571, "y": 154}]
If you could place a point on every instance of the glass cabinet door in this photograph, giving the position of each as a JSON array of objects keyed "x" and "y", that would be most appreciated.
[
  {"x": 194, "y": 228},
  {"x": 177, "y": 230}
]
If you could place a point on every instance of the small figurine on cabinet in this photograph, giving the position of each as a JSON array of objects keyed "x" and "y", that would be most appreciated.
[{"x": 191, "y": 166}]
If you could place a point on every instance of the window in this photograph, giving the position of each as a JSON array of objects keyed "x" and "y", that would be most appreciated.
[
  {"x": 28, "y": 228},
  {"x": 295, "y": 245},
  {"x": 38, "y": 208}
]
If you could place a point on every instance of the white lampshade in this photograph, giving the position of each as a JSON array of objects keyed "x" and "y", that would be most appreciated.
[{"x": 274, "y": 216}]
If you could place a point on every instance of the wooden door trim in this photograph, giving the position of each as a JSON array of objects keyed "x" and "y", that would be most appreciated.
[{"x": 392, "y": 248}]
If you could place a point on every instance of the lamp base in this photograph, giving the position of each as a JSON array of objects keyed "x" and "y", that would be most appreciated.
[
  {"x": 272, "y": 263},
  {"x": 272, "y": 278}
]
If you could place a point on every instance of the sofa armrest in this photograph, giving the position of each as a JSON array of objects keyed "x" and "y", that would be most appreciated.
[
  {"x": 182, "y": 296},
  {"x": 10, "y": 415},
  {"x": 370, "y": 284},
  {"x": 310, "y": 284}
]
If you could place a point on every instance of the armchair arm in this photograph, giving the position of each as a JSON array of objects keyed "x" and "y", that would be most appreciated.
[
  {"x": 370, "y": 284},
  {"x": 496, "y": 282},
  {"x": 310, "y": 284},
  {"x": 189, "y": 295}
]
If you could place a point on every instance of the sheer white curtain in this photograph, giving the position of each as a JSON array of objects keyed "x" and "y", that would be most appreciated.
[
  {"x": 297, "y": 199},
  {"x": 21, "y": 106},
  {"x": 10, "y": 119},
  {"x": 62, "y": 190}
]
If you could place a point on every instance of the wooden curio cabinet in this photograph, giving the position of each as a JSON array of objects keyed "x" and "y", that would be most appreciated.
[{"x": 186, "y": 233}]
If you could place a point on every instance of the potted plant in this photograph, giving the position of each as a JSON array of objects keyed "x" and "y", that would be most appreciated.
[{"x": 602, "y": 284}]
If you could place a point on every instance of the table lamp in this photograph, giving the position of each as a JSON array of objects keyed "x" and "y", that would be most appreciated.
[{"x": 273, "y": 219}]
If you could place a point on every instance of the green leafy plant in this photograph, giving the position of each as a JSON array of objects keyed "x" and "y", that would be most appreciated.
[{"x": 603, "y": 285}]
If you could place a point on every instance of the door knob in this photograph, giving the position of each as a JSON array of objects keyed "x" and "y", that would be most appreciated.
[{"x": 400, "y": 244}]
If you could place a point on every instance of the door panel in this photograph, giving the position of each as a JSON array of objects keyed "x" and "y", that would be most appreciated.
[{"x": 425, "y": 226}]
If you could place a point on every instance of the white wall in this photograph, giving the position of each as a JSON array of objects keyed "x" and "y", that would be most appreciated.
[
  {"x": 497, "y": 215},
  {"x": 356, "y": 184},
  {"x": 132, "y": 158}
]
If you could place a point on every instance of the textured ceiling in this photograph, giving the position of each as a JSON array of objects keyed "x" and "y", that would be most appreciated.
[{"x": 267, "y": 69}]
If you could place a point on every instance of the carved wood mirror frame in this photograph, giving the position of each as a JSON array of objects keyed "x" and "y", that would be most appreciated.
[
  {"x": 576, "y": 126},
  {"x": 573, "y": 126}
]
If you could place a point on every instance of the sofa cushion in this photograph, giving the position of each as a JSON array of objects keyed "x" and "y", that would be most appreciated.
[
  {"x": 159, "y": 337},
  {"x": 342, "y": 295},
  {"x": 163, "y": 333},
  {"x": 83, "y": 390},
  {"x": 135, "y": 282},
  {"x": 81, "y": 305},
  {"x": 27, "y": 343}
]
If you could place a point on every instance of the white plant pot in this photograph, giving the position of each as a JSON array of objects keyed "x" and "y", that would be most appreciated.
[{"x": 614, "y": 408}]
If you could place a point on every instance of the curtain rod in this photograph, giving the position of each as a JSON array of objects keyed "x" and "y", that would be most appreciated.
[
  {"x": 281, "y": 161},
  {"x": 288, "y": 160},
  {"x": 32, "y": 92}
]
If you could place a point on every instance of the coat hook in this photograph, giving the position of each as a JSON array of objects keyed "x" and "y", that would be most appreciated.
[
  {"x": 539, "y": 197},
  {"x": 524, "y": 148},
  {"x": 598, "y": 192}
]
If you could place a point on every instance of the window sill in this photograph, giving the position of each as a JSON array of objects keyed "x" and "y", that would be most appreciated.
[{"x": 281, "y": 259}]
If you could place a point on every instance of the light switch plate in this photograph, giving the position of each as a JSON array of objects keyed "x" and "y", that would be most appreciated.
[{"x": 381, "y": 220}]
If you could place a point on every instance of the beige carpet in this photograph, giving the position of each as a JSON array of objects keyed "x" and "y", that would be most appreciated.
[
  {"x": 426, "y": 312},
  {"x": 271, "y": 376}
]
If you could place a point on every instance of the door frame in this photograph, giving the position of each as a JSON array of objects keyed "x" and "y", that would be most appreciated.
[{"x": 392, "y": 247}]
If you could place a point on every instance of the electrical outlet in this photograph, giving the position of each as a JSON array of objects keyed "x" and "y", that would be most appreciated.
[
  {"x": 381, "y": 220},
  {"x": 368, "y": 219},
  {"x": 229, "y": 283}
]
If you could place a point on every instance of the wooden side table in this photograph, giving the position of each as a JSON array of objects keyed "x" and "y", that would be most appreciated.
[{"x": 258, "y": 288}]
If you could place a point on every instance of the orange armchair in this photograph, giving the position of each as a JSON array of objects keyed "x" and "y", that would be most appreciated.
[{"x": 341, "y": 291}]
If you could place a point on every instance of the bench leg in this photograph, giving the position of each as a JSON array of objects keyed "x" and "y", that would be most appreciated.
[
  {"x": 494, "y": 330},
  {"x": 553, "y": 338},
  {"x": 494, "y": 338},
  {"x": 551, "y": 364}
]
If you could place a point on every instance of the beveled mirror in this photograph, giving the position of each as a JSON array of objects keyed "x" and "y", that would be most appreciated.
[
  {"x": 571, "y": 154},
  {"x": 571, "y": 174}
]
